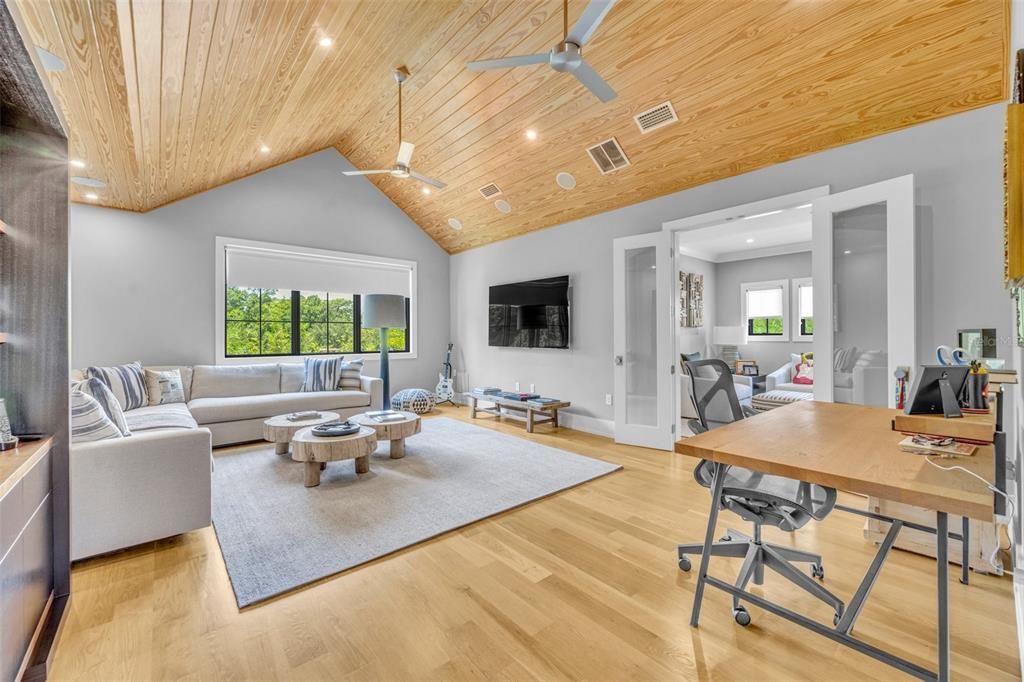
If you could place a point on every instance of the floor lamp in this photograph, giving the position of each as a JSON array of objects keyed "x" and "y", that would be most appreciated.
[{"x": 383, "y": 311}]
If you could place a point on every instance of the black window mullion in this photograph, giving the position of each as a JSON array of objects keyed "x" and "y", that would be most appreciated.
[
  {"x": 357, "y": 324},
  {"x": 296, "y": 300},
  {"x": 407, "y": 324}
]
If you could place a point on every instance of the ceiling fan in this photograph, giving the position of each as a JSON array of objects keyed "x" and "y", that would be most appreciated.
[
  {"x": 567, "y": 56},
  {"x": 401, "y": 168}
]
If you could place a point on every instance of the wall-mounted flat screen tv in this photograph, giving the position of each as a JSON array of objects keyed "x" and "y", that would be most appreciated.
[{"x": 532, "y": 314}]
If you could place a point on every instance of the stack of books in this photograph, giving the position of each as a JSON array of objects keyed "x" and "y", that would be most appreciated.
[
  {"x": 487, "y": 391},
  {"x": 542, "y": 402},
  {"x": 512, "y": 395}
]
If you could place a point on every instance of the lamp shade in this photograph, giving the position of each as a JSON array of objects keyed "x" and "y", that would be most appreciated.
[
  {"x": 727, "y": 336},
  {"x": 383, "y": 310}
]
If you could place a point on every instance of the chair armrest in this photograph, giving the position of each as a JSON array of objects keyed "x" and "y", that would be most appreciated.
[
  {"x": 779, "y": 376},
  {"x": 375, "y": 387}
]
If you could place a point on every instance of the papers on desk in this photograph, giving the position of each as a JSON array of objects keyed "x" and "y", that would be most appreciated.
[{"x": 912, "y": 444}]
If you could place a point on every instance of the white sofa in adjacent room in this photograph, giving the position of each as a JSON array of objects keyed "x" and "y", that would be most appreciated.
[{"x": 156, "y": 482}]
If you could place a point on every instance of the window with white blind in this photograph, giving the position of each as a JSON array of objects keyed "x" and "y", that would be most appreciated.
[
  {"x": 765, "y": 310},
  {"x": 275, "y": 300},
  {"x": 803, "y": 303}
]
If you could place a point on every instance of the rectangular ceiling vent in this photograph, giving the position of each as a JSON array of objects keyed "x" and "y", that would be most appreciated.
[
  {"x": 489, "y": 191},
  {"x": 608, "y": 156},
  {"x": 658, "y": 117}
]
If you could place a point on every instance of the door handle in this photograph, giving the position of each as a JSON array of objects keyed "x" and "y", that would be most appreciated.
[{"x": 618, "y": 361}]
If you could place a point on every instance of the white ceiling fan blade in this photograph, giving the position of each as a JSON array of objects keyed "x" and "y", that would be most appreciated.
[
  {"x": 405, "y": 153},
  {"x": 586, "y": 75},
  {"x": 506, "y": 62},
  {"x": 368, "y": 172},
  {"x": 593, "y": 14},
  {"x": 430, "y": 181}
]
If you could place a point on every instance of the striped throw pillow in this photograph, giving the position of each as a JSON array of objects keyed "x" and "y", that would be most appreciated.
[
  {"x": 88, "y": 420},
  {"x": 321, "y": 374},
  {"x": 126, "y": 382},
  {"x": 351, "y": 375},
  {"x": 103, "y": 395}
]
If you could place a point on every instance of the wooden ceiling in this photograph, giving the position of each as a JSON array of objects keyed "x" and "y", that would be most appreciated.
[{"x": 169, "y": 98}]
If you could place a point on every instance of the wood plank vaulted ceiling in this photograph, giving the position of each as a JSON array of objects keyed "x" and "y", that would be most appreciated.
[{"x": 169, "y": 98}]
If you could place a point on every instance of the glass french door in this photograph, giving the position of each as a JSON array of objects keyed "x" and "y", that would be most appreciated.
[
  {"x": 644, "y": 369},
  {"x": 863, "y": 264}
]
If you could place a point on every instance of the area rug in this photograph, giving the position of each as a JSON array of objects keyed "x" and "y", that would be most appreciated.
[{"x": 277, "y": 535}]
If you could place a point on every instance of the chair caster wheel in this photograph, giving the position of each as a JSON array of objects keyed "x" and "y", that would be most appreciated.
[
  {"x": 818, "y": 571},
  {"x": 684, "y": 564},
  {"x": 741, "y": 615},
  {"x": 835, "y": 619},
  {"x": 725, "y": 538}
]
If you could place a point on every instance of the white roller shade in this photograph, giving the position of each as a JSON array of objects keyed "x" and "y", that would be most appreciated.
[
  {"x": 270, "y": 269},
  {"x": 806, "y": 300},
  {"x": 764, "y": 303}
]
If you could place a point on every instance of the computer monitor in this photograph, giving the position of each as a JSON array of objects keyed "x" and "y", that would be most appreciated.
[{"x": 935, "y": 390}]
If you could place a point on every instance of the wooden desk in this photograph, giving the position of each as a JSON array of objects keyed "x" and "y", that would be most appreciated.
[{"x": 852, "y": 448}]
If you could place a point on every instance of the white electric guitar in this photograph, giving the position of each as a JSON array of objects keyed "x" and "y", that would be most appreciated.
[{"x": 445, "y": 391}]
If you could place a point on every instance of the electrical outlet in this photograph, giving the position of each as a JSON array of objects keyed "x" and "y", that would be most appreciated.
[
  {"x": 532, "y": 389},
  {"x": 517, "y": 387},
  {"x": 607, "y": 398}
]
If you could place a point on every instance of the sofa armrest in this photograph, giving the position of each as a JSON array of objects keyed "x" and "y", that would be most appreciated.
[
  {"x": 145, "y": 443},
  {"x": 779, "y": 376},
  {"x": 375, "y": 387},
  {"x": 743, "y": 380}
]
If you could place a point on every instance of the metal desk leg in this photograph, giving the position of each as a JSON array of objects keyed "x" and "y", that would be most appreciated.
[
  {"x": 709, "y": 540},
  {"x": 965, "y": 556},
  {"x": 942, "y": 569}
]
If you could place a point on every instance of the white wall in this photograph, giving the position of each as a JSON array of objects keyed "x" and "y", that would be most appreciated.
[
  {"x": 697, "y": 339},
  {"x": 957, "y": 163},
  {"x": 770, "y": 355},
  {"x": 142, "y": 284}
]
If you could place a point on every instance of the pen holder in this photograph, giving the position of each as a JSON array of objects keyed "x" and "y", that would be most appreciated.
[{"x": 975, "y": 391}]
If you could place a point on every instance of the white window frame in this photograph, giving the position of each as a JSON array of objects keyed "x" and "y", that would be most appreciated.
[
  {"x": 761, "y": 286},
  {"x": 219, "y": 282},
  {"x": 797, "y": 283}
]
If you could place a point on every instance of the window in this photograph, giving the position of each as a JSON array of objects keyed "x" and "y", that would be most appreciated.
[
  {"x": 765, "y": 309},
  {"x": 306, "y": 318},
  {"x": 803, "y": 302}
]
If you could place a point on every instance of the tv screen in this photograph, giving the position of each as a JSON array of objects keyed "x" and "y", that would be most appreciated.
[{"x": 532, "y": 314}]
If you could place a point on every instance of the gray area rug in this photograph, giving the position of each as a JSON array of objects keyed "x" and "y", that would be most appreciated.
[{"x": 277, "y": 535}]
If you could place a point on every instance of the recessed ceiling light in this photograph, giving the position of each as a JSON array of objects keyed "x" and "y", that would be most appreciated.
[
  {"x": 531, "y": 134},
  {"x": 326, "y": 42},
  {"x": 503, "y": 206},
  {"x": 49, "y": 60},
  {"x": 87, "y": 182},
  {"x": 77, "y": 163},
  {"x": 91, "y": 196},
  {"x": 761, "y": 215},
  {"x": 565, "y": 180},
  {"x": 264, "y": 149},
  {"x": 847, "y": 252},
  {"x": 454, "y": 223},
  {"x": 750, "y": 240},
  {"x": 426, "y": 190}
]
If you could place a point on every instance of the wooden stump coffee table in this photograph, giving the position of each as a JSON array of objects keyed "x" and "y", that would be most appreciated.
[
  {"x": 279, "y": 430},
  {"x": 316, "y": 451},
  {"x": 396, "y": 431}
]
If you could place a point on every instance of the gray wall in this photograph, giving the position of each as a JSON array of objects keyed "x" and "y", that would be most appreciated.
[
  {"x": 143, "y": 283},
  {"x": 770, "y": 355},
  {"x": 957, "y": 163}
]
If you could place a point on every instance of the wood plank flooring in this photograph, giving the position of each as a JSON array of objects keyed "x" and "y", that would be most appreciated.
[{"x": 581, "y": 585}]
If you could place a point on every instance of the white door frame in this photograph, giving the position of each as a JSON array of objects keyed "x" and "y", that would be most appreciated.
[
  {"x": 662, "y": 435},
  {"x": 901, "y": 275}
]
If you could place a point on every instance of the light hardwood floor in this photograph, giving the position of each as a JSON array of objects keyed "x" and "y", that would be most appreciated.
[{"x": 580, "y": 585}]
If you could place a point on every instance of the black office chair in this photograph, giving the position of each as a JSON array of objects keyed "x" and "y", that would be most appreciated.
[{"x": 762, "y": 499}]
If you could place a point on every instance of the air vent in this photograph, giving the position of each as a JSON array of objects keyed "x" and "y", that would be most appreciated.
[
  {"x": 608, "y": 156},
  {"x": 489, "y": 191},
  {"x": 658, "y": 117}
]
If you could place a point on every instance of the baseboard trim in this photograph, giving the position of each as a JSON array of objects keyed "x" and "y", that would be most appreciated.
[
  {"x": 581, "y": 422},
  {"x": 44, "y": 642}
]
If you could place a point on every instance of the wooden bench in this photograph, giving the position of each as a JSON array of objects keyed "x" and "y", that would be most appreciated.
[{"x": 516, "y": 409}]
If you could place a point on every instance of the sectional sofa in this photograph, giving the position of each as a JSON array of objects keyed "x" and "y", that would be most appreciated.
[{"x": 157, "y": 482}]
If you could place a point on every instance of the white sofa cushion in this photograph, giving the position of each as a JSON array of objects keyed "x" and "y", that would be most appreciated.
[
  {"x": 798, "y": 388},
  {"x": 229, "y": 381},
  {"x": 217, "y": 410},
  {"x": 166, "y": 416},
  {"x": 291, "y": 377},
  {"x": 165, "y": 386},
  {"x": 186, "y": 376}
]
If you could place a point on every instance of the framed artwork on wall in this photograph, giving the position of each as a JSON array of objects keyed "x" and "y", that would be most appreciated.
[{"x": 691, "y": 299}]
